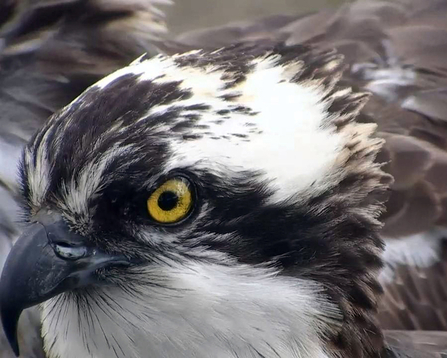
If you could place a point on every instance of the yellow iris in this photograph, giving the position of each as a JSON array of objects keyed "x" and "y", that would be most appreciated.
[{"x": 171, "y": 201}]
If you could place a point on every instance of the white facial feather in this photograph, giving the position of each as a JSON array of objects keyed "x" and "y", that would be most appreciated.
[
  {"x": 289, "y": 146},
  {"x": 77, "y": 193},
  {"x": 38, "y": 174},
  {"x": 286, "y": 136},
  {"x": 194, "y": 310}
]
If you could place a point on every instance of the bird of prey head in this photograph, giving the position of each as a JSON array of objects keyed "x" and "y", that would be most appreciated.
[{"x": 210, "y": 204}]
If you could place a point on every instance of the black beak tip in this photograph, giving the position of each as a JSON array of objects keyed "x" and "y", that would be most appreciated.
[
  {"x": 15, "y": 347},
  {"x": 14, "y": 344},
  {"x": 9, "y": 322},
  {"x": 10, "y": 310}
]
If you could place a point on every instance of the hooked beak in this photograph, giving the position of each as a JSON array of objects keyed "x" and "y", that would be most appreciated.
[{"x": 46, "y": 260}]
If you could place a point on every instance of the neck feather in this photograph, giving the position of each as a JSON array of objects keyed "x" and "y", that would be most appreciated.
[{"x": 213, "y": 310}]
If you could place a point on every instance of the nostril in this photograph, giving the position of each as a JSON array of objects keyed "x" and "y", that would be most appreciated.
[
  {"x": 66, "y": 244},
  {"x": 68, "y": 252}
]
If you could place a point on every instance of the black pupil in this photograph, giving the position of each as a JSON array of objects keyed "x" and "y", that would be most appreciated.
[{"x": 168, "y": 200}]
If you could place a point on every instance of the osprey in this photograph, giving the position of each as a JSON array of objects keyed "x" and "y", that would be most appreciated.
[{"x": 320, "y": 252}]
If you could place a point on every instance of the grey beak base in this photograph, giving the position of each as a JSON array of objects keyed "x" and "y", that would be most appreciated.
[{"x": 34, "y": 273}]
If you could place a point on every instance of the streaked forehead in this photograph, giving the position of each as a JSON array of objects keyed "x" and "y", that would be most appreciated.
[
  {"x": 212, "y": 111},
  {"x": 259, "y": 118}
]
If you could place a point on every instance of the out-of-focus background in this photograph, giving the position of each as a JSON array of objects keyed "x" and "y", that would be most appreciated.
[{"x": 192, "y": 14}]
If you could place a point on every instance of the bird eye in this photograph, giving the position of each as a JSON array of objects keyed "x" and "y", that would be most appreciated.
[{"x": 171, "y": 202}]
